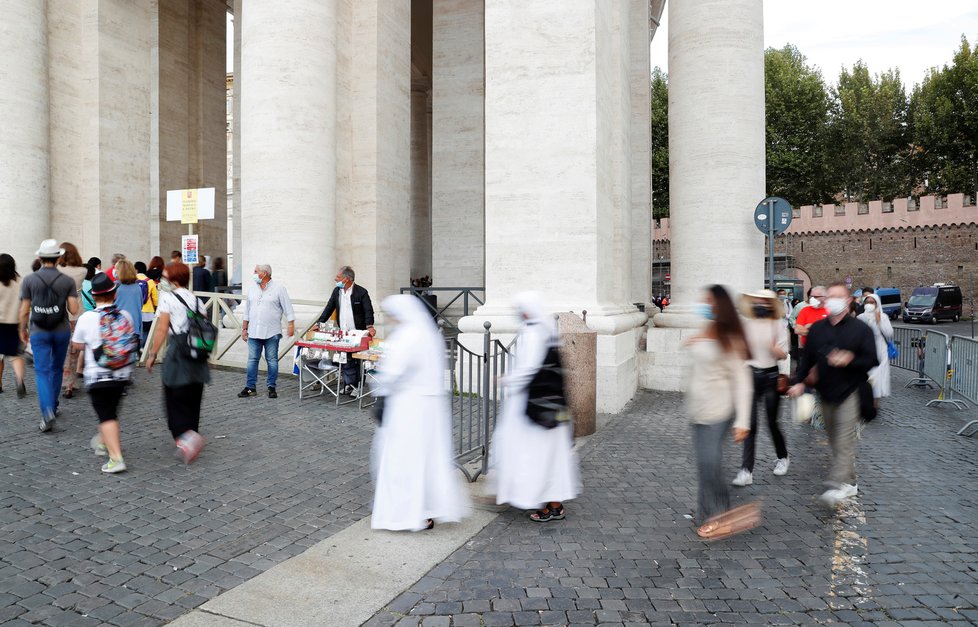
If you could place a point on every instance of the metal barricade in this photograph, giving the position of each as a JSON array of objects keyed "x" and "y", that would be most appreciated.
[
  {"x": 964, "y": 374},
  {"x": 910, "y": 349},
  {"x": 937, "y": 368},
  {"x": 477, "y": 399}
]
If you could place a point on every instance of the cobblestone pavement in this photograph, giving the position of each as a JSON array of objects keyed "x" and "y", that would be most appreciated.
[
  {"x": 904, "y": 553},
  {"x": 81, "y": 548}
]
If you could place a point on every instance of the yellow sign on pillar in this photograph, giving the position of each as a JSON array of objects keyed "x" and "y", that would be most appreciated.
[{"x": 188, "y": 213}]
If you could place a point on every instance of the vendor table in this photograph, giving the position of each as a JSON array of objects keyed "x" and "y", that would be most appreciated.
[
  {"x": 327, "y": 378},
  {"x": 368, "y": 360}
]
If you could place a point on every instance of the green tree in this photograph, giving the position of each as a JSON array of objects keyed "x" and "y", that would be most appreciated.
[
  {"x": 944, "y": 120},
  {"x": 796, "y": 111},
  {"x": 660, "y": 144},
  {"x": 869, "y": 141}
]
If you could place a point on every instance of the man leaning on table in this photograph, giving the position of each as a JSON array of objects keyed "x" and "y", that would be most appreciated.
[
  {"x": 354, "y": 311},
  {"x": 262, "y": 327}
]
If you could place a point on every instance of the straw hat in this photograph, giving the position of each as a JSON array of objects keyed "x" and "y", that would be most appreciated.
[
  {"x": 49, "y": 249},
  {"x": 776, "y": 304}
]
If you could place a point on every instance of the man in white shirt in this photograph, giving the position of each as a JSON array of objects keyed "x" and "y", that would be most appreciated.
[{"x": 263, "y": 313}]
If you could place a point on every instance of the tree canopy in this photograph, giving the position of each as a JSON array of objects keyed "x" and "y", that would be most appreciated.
[{"x": 859, "y": 139}]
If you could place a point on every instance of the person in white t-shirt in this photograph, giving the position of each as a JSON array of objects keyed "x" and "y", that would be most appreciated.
[{"x": 105, "y": 385}]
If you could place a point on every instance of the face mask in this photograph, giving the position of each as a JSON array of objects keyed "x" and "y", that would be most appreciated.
[
  {"x": 256, "y": 278},
  {"x": 762, "y": 311},
  {"x": 814, "y": 302},
  {"x": 869, "y": 308},
  {"x": 341, "y": 285},
  {"x": 165, "y": 285},
  {"x": 835, "y": 306},
  {"x": 704, "y": 310}
]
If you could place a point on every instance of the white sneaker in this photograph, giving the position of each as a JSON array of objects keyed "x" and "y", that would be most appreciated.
[
  {"x": 744, "y": 477},
  {"x": 833, "y": 496},
  {"x": 781, "y": 468},
  {"x": 98, "y": 446}
]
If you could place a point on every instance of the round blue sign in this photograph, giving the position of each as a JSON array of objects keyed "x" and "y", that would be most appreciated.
[{"x": 776, "y": 209}]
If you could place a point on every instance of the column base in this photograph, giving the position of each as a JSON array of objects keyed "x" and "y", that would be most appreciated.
[{"x": 664, "y": 364}]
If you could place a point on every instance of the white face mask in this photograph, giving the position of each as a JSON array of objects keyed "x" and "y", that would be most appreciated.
[
  {"x": 814, "y": 301},
  {"x": 869, "y": 307},
  {"x": 836, "y": 306}
]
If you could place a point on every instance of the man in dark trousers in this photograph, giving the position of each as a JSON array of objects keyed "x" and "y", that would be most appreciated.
[
  {"x": 840, "y": 350},
  {"x": 354, "y": 311}
]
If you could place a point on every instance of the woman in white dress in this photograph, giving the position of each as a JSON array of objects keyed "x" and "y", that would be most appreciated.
[
  {"x": 532, "y": 467},
  {"x": 883, "y": 332},
  {"x": 415, "y": 480}
]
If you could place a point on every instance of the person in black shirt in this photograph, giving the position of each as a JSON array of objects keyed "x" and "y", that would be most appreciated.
[
  {"x": 840, "y": 351},
  {"x": 353, "y": 308}
]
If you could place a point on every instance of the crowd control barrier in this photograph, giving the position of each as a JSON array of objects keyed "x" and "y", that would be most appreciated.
[
  {"x": 937, "y": 368},
  {"x": 910, "y": 354},
  {"x": 964, "y": 374}
]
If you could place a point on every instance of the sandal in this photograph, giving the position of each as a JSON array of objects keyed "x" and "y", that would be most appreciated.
[
  {"x": 69, "y": 392},
  {"x": 541, "y": 515},
  {"x": 430, "y": 525}
]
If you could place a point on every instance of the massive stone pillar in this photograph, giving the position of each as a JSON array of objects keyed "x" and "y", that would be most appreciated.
[
  {"x": 24, "y": 155},
  {"x": 235, "y": 271},
  {"x": 716, "y": 163},
  {"x": 641, "y": 158},
  {"x": 420, "y": 181},
  {"x": 288, "y": 141},
  {"x": 558, "y": 173},
  {"x": 457, "y": 151},
  {"x": 374, "y": 221},
  {"x": 193, "y": 115}
]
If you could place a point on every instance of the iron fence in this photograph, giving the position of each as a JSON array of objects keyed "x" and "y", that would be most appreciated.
[
  {"x": 910, "y": 354},
  {"x": 463, "y": 295},
  {"x": 937, "y": 368},
  {"x": 964, "y": 374},
  {"x": 477, "y": 399}
]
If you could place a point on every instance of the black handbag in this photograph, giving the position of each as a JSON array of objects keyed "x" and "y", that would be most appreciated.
[
  {"x": 378, "y": 410},
  {"x": 867, "y": 406},
  {"x": 546, "y": 402}
]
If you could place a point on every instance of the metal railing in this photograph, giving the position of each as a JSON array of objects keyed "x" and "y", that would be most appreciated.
[
  {"x": 964, "y": 374},
  {"x": 477, "y": 399},
  {"x": 220, "y": 309},
  {"x": 937, "y": 368},
  {"x": 465, "y": 294},
  {"x": 910, "y": 348}
]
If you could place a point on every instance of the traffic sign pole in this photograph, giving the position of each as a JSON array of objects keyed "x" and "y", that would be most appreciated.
[{"x": 770, "y": 245}]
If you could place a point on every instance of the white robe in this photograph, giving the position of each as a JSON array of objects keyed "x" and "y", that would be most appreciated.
[
  {"x": 414, "y": 475},
  {"x": 531, "y": 465},
  {"x": 882, "y": 331}
]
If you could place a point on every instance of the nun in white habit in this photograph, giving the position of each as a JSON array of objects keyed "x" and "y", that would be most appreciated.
[
  {"x": 532, "y": 467},
  {"x": 415, "y": 480}
]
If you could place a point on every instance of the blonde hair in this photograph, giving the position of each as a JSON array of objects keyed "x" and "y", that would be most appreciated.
[{"x": 125, "y": 272}]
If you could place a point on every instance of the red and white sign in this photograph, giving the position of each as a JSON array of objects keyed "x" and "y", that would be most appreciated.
[{"x": 668, "y": 277}]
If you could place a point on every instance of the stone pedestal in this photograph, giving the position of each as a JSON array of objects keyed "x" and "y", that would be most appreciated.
[
  {"x": 579, "y": 353},
  {"x": 24, "y": 160}
]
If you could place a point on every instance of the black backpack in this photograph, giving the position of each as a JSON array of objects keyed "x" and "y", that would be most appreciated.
[
  {"x": 546, "y": 403},
  {"x": 201, "y": 336},
  {"x": 47, "y": 312}
]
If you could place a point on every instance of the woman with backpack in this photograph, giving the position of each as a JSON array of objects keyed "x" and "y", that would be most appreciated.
[
  {"x": 106, "y": 337},
  {"x": 183, "y": 376},
  {"x": 71, "y": 265},
  {"x": 131, "y": 295},
  {"x": 533, "y": 467}
]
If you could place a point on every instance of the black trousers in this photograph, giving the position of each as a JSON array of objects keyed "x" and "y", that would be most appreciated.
[
  {"x": 183, "y": 408},
  {"x": 766, "y": 393}
]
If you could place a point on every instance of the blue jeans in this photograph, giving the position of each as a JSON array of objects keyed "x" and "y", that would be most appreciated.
[
  {"x": 271, "y": 358},
  {"x": 49, "y": 349}
]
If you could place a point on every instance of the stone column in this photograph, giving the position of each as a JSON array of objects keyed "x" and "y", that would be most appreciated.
[
  {"x": 716, "y": 149},
  {"x": 716, "y": 167},
  {"x": 558, "y": 166},
  {"x": 24, "y": 154},
  {"x": 235, "y": 271},
  {"x": 457, "y": 144},
  {"x": 420, "y": 182},
  {"x": 288, "y": 141},
  {"x": 641, "y": 174}
]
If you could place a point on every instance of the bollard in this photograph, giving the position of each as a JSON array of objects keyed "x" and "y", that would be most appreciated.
[{"x": 578, "y": 352}]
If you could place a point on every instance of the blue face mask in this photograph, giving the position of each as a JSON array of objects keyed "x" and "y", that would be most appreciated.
[
  {"x": 705, "y": 311},
  {"x": 341, "y": 285}
]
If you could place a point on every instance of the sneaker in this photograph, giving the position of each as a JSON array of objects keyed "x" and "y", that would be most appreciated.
[
  {"x": 272, "y": 393},
  {"x": 98, "y": 446},
  {"x": 781, "y": 468},
  {"x": 833, "y": 496},
  {"x": 114, "y": 465},
  {"x": 245, "y": 393},
  {"x": 744, "y": 477},
  {"x": 47, "y": 423},
  {"x": 188, "y": 446}
]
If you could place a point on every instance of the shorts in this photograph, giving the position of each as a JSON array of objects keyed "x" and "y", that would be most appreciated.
[{"x": 105, "y": 399}]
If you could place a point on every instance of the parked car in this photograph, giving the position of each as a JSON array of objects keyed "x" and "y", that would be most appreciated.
[
  {"x": 892, "y": 301},
  {"x": 931, "y": 304}
]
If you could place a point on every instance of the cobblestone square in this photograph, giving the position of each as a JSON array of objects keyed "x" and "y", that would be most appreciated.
[{"x": 144, "y": 547}]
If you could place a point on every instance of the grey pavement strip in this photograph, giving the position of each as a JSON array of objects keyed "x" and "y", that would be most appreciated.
[{"x": 342, "y": 581}]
